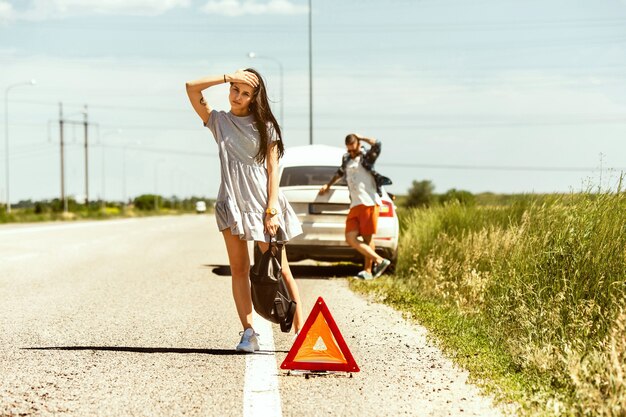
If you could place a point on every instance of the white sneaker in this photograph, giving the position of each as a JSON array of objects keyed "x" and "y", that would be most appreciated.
[
  {"x": 364, "y": 275},
  {"x": 249, "y": 342}
]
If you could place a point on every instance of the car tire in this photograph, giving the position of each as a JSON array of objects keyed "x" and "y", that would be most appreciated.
[{"x": 394, "y": 261}]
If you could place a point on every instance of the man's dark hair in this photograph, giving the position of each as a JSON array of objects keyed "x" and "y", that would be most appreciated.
[{"x": 351, "y": 138}]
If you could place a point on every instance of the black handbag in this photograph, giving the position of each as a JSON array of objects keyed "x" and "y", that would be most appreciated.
[{"x": 270, "y": 297}]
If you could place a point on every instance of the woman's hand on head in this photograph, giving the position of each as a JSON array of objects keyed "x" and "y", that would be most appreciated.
[
  {"x": 241, "y": 76},
  {"x": 271, "y": 224}
]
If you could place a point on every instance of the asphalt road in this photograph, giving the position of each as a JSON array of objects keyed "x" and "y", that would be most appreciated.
[{"x": 135, "y": 318}]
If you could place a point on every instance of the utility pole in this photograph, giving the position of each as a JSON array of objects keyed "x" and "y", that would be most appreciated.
[
  {"x": 310, "y": 76},
  {"x": 86, "y": 159},
  {"x": 63, "y": 200},
  {"x": 85, "y": 124}
]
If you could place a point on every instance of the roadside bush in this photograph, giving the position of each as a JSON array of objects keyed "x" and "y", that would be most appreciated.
[
  {"x": 146, "y": 202},
  {"x": 420, "y": 194},
  {"x": 40, "y": 208},
  {"x": 546, "y": 278},
  {"x": 460, "y": 196},
  {"x": 56, "y": 205}
]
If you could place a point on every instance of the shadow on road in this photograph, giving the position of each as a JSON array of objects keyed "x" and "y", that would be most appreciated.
[
  {"x": 303, "y": 271},
  {"x": 153, "y": 350}
]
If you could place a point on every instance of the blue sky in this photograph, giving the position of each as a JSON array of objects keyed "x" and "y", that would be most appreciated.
[{"x": 490, "y": 95}]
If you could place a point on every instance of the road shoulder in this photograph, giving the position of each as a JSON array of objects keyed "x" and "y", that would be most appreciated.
[{"x": 402, "y": 372}]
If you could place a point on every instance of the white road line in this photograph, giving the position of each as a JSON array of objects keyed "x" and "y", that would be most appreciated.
[{"x": 260, "y": 389}]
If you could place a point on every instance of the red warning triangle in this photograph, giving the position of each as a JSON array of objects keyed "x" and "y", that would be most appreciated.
[{"x": 320, "y": 345}]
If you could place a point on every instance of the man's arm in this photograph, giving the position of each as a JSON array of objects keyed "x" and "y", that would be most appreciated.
[
  {"x": 374, "y": 151},
  {"x": 338, "y": 175},
  {"x": 369, "y": 141}
]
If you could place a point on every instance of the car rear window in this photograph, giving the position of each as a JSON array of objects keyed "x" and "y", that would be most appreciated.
[{"x": 308, "y": 175}]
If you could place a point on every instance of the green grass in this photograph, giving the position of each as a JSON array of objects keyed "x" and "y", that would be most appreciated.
[
  {"x": 529, "y": 296},
  {"x": 20, "y": 215}
]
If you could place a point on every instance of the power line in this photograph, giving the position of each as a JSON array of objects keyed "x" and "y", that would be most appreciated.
[
  {"x": 575, "y": 118},
  {"x": 501, "y": 168},
  {"x": 44, "y": 152},
  {"x": 477, "y": 125},
  {"x": 394, "y": 126},
  {"x": 127, "y": 127},
  {"x": 104, "y": 106},
  {"x": 47, "y": 148},
  {"x": 477, "y": 26},
  {"x": 350, "y": 27},
  {"x": 465, "y": 46},
  {"x": 162, "y": 151}
]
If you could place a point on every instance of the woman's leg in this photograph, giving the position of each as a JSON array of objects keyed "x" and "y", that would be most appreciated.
[
  {"x": 292, "y": 287},
  {"x": 240, "y": 270}
]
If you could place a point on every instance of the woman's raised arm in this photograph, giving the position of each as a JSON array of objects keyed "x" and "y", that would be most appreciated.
[
  {"x": 195, "y": 88},
  {"x": 194, "y": 91}
]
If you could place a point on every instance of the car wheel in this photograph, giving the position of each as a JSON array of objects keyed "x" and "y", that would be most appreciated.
[{"x": 394, "y": 261}]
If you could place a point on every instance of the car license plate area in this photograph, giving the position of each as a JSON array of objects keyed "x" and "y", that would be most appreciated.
[{"x": 328, "y": 208}]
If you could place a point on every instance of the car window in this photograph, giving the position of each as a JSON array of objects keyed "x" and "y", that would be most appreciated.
[{"x": 308, "y": 175}]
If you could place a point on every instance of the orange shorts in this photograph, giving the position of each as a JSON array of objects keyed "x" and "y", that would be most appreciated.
[{"x": 362, "y": 218}]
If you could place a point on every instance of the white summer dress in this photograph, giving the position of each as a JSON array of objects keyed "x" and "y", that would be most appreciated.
[{"x": 242, "y": 197}]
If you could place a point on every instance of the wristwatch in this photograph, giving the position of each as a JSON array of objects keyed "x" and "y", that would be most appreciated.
[{"x": 271, "y": 211}]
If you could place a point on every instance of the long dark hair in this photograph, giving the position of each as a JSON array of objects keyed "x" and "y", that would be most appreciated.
[{"x": 264, "y": 119}]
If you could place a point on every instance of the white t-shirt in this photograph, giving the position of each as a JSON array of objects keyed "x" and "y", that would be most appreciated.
[{"x": 361, "y": 184}]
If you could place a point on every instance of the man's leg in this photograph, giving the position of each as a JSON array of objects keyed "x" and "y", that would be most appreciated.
[
  {"x": 367, "y": 239},
  {"x": 368, "y": 222},
  {"x": 362, "y": 248},
  {"x": 354, "y": 226}
]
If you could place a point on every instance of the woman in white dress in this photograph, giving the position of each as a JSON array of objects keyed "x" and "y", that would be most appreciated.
[{"x": 249, "y": 204}]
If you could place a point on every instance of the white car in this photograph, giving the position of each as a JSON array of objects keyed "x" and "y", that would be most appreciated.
[
  {"x": 303, "y": 171},
  {"x": 200, "y": 207}
]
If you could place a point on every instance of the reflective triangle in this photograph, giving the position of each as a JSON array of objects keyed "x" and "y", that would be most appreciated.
[{"x": 320, "y": 345}]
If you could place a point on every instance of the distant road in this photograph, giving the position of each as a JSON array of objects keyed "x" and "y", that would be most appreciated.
[{"x": 135, "y": 317}]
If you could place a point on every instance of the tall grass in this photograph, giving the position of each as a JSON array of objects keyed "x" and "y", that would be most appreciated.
[{"x": 546, "y": 280}]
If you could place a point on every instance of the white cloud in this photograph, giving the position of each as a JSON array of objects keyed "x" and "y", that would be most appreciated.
[
  {"x": 6, "y": 11},
  {"x": 242, "y": 7},
  {"x": 54, "y": 9}
]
